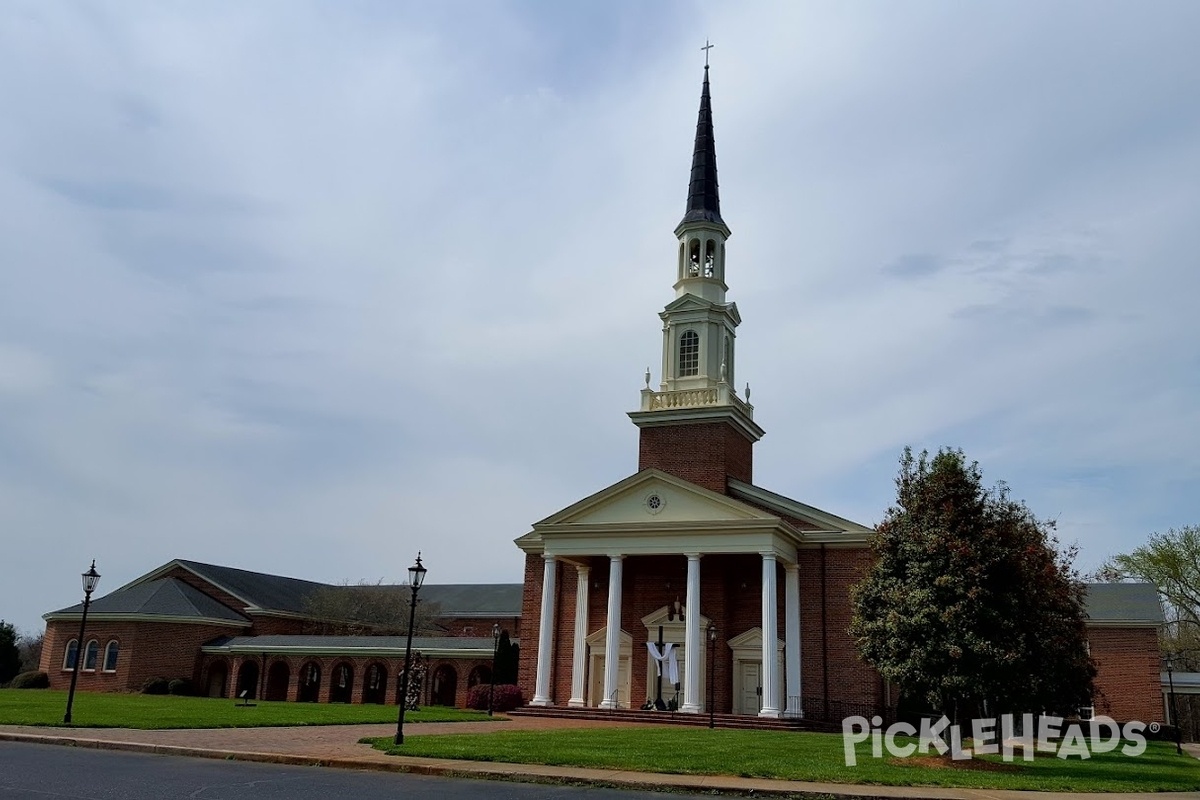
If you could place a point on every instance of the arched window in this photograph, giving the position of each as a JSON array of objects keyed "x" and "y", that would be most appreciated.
[
  {"x": 694, "y": 259},
  {"x": 90, "y": 653},
  {"x": 710, "y": 259},
  {"x": 71, "y": 654},
  {"x": 689, "y": 354},
  {"x": 110, "y": 656}
]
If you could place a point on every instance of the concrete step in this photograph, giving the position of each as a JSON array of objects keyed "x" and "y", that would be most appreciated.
[{"x": 637, "y": 716}]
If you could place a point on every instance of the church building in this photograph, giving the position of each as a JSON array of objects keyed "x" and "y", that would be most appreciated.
[{"x": 688, "y": 568}]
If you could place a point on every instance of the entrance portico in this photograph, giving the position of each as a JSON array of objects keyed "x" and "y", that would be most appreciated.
[{"x": 653, "y": 515}]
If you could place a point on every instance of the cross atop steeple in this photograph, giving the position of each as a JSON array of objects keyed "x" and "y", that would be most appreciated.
[{"x": 707, "y": 46}]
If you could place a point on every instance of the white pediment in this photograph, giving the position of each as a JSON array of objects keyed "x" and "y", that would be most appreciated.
[
  {"x": 651, "y": 497},
  {"x": 751, "y": 641}
]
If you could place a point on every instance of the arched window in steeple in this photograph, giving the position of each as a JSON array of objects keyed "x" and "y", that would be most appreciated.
[
  {"x": 710, "y": 259},
  {"x": 689, "y": 354},
  {"x": 694, "y": 259}
]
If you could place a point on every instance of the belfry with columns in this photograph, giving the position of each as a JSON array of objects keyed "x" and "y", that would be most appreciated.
[{"x": 687, "y": 569}]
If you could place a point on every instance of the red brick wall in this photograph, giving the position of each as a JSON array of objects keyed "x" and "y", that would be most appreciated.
[
  {"x": 827, "y": 641},
  {"x": 704, "y": 453},
  {"x": 1128, "y": 683},
  {"x": 147, "y": 650},
  {"x": 477, "y": 626},
  {"x": 265, "y": 625},
  {"x": 531, "y": 614}
]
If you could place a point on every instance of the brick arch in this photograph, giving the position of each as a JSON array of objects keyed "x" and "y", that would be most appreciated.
[
  {"x": 216, "y": 679},
  {"x": 375, "y": 683},
  {"x": 341, "y": 682},
  {"x": 308, "y": 689}
]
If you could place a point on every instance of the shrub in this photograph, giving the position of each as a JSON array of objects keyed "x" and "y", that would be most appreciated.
[
  {"x": 30, "y": 680},
  {"x": 180, "y": 686},
  {"x": 507, "y": 697},
  {"x": 157, "y": 685}
]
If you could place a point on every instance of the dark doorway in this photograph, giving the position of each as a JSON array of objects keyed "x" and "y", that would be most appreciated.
[
  {"x": 247, "y": 685},
  {"x": 278, "y": 677},
  {"x": 445, "y": 686},
  {"x": 341, "y": 683},
  {"x": 375, "y": 685},
  {"x": 218, "y": 677},
  {"x": 310, "y": 683}
]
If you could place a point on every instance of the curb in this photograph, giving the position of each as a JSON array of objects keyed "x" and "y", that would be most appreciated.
[{"x": 480, "y": 770}]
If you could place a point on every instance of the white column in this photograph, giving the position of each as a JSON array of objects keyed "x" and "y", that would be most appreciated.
[
  {"x": 692, "y": 643},
  {"x": 770, "y": 639},
  {"x": 541, "y": 689},
  {"x": 612, "y": 640},
  {"x": 791, "y": 641},
  {"x": 579, "y": 667}
]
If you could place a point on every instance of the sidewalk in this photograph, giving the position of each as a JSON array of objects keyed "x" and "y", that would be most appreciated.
[{"x": 337, "y": 746}]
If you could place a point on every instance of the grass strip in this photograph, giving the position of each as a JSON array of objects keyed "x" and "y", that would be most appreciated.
[
  {"x": 45, "y": 707},
  {"x": 797, "y": 756}
]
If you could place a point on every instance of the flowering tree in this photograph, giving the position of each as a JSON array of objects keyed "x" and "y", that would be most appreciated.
[{"x": 969, "y": 600}]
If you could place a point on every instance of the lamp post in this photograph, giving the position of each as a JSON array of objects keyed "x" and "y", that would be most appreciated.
[
  {"x": 416, "y": 577},
  {"x": 495, "y": 650},
  {"x": 1169, "y": 659},
  {"x": 90, "y": 579},
  {"x": 712, "y": 668}
]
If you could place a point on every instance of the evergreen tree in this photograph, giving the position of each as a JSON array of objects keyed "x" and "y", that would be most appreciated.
[
  {"x": 10, "y": 653},
  {"x": 507, "y": 656},
  {"x": 969, "y": 600}
]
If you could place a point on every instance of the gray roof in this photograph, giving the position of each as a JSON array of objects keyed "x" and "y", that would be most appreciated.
[
  {"x": 474, "y": 599},
  {"x": 349, "y": 643},
  {"x": 165, "y": 597},
  {"x": 1123, "y": 602},
  {"x": 259, "y": 589}
]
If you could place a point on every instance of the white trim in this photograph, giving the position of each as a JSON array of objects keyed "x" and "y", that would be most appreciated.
[
  {"x": 117, "y": 616},
  {"x": 347, "y": 652}
]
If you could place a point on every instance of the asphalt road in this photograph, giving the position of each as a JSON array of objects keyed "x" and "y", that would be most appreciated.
[{"x": 39, "y": 772}]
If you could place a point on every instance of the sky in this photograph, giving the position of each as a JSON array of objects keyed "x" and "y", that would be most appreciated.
[{"x": 309, "y": 287}]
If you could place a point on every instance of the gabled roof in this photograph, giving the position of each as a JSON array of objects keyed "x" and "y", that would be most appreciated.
[
  {"x": 1123, "y": 604},
  {"x": 649, "y": 477},
  {"x": 260, "y": 591},
  {"x": 165, "y": 598},
  {"x": 779, "y": 504}
]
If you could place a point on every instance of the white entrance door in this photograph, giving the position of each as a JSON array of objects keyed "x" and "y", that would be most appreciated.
[
  {"x": 751, "y": 675},
  {"x": 596, "y": 693}
]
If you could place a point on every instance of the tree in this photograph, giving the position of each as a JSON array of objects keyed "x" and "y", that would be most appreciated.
[
  {"x": 969, "y": 600},
  {"x": 31, "y": 650},
  {"x": 507, "y": 658},
  {"x": 1171, "y": 561},
  {"x": 366, "y": 609},
  {"x": 10, "y": 654}
]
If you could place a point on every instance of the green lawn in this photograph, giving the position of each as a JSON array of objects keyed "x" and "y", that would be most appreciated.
[
  {"x": 802, "y": 757},
  {"x": 105, "y": 710}
]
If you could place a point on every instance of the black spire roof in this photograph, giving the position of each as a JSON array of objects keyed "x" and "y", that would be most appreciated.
[{"x": 704, "y": 203}]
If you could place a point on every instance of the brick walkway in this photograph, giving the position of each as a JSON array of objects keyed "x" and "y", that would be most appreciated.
[{"x": 315, "y": 741}]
